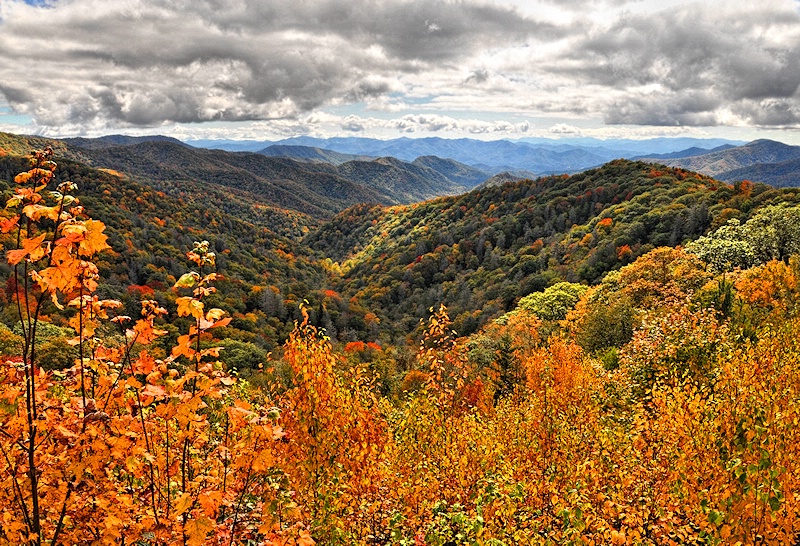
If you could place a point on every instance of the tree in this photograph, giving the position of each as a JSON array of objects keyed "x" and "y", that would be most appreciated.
[{"x": 555, "y": 302}]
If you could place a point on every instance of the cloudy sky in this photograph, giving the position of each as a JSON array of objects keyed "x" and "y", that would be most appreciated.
[{"x": 269, "y": 69}]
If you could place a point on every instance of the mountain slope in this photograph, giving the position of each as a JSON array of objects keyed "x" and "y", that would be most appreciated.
[
  {"x": 150, "y": 231},
  {"x": 499, "y": 179},
  {"x": 310, "y": 153},
  {"x": 785, "y": 174},
  {"x": 276, "y": 182},
  {"x": 719, "y": 163},
  {"x": 458, "y": 173},
  {"x": 318, "y": 189},
  {"x": 403, "y": 182}
]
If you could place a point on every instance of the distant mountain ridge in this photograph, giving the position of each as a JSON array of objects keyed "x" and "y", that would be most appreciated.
[
  {"x": 537, "y": 156},
  {"x": 690, "y": 152},
  {"x": 111, "y": 141},
  {"x": 762, "y": 160}
]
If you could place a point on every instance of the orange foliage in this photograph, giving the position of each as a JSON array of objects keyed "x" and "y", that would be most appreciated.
[{"x": 355, "y": 346}]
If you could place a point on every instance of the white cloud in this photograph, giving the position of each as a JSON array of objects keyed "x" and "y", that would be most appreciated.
[{"x": 563, "y": 129}]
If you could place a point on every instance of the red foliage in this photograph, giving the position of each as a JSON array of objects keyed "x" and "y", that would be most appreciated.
[{"x": 141, "y": 290}]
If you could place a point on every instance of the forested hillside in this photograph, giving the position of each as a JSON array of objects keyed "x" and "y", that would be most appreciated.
[
  {"x": 372, "y": 272},
  {"x": 316, "y": 188},
  {"x": 149, "y": 226},
  {"x": 480, "y": 252}
]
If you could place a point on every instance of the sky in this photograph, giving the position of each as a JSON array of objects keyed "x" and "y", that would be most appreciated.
[{"x": 273, "y": 69}]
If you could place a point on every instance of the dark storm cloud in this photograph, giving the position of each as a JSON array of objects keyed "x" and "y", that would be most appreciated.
[{"x": 429, "y": 30}]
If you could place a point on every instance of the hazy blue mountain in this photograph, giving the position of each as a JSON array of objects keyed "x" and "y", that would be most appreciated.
[
  {"x": 310, "y": 153},
  {"x": 492, "y": 156},
  {"x": 536, "y": 155},
  {"x": 689, "y": 152},
  {"x": 661, "y": 145}
]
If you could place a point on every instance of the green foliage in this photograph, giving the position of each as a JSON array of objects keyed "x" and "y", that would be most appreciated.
[
  {"x": 10, "y": 342},
  {"x": 57, "y": 354},
  {"x": 608, "y": 324},
  {"x": 772, "y": 233},
  {"x": 242, "y": 355},
  {"x": 725, "y": 249},
  {"x": 555, "y": 302}
]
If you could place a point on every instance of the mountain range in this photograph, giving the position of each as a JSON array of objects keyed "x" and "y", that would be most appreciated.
[
  {"x": 765, "y": 161},
  {"x": 530, "y": 157},
  {"x": 312, "y": 187}
]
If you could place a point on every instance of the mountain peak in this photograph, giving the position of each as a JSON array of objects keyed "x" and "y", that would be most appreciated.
[{"x": 767, "y": 142}]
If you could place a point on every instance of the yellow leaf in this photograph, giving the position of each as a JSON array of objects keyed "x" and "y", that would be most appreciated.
[
  {"x": 93, "y": 241},
  {"x": 214, "y": 314},
  {"x": 36, "y": 212},
  {"x": 183, "y": 503},
  {"x": 22, "y": 178},
  {"x": 188, "y": 306},
  {"x": 197, "y": 530}
]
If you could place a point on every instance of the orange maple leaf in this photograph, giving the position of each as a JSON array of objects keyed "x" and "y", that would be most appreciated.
[
  {"x": 94, "y": 240},
  {"x": 7, "y": 224},
  {"x": 63, "y": 274},
  {"x": 31, "y": 249}
]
